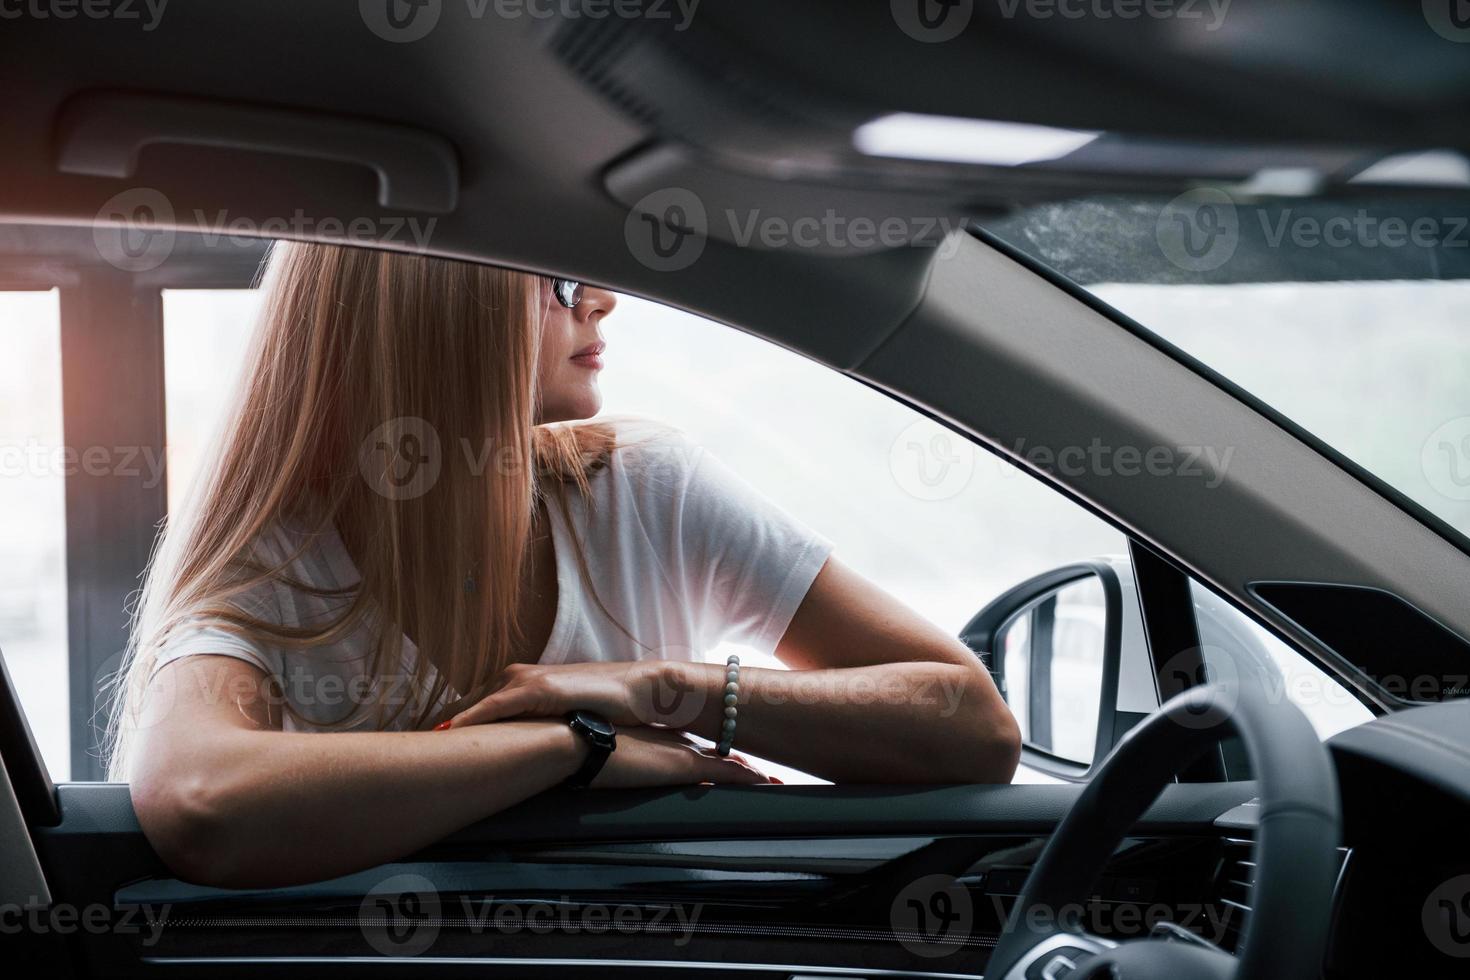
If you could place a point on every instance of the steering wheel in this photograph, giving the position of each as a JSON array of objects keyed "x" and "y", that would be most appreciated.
[{"x": 1295, "y": 850}]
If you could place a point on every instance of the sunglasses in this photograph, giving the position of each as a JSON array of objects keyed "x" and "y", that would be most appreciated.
[{"x": 568, "y": 292}]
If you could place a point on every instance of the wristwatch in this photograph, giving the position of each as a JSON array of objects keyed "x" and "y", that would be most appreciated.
[{"x": 601, "y": 738}]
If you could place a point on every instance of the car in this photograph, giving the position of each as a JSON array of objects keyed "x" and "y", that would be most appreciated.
[{"x": 1106, "y": 246}]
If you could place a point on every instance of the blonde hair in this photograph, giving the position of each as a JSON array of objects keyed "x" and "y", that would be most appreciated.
[{"x": 357, "y": 354}]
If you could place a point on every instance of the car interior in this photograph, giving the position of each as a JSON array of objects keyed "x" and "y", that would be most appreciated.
[{"x": 653, "y": 148}]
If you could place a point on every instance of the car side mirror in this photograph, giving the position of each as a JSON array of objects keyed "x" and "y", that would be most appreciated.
[{"x": 1053, "y": 644}]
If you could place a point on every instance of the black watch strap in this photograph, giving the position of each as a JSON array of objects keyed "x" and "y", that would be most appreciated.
[{"x": 601, "y": 739}]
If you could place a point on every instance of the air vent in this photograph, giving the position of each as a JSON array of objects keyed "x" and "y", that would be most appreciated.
[
  {"x": 1235, "y": 883},
  {"x": 1234, "y": 886}
]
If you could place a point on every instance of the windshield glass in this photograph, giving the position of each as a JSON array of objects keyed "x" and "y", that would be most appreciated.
[{"x": 1350, "y": 318}]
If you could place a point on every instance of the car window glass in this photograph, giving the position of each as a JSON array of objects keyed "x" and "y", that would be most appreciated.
[
  {"x": 930, "y": 517},
  {"x": 1239, "y": 650},
  {"x": 34, "y": 462}
]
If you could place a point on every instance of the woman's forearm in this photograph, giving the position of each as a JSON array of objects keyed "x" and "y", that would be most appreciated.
[
  {"x": 268, "y": 808},
  {"x": 905, "y": 722}
]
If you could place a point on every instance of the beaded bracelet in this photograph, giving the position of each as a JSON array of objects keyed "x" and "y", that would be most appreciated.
[{"x": 732, "y": 695}]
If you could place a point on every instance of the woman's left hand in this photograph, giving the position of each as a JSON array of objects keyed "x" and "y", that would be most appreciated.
[{"x": 623, "y": 692}]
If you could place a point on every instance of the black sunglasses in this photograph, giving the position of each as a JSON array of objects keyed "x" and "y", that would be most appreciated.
[{"x": 568, "y": 293}]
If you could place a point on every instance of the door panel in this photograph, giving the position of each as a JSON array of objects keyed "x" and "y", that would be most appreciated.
[{"x": 710, "y": 879}]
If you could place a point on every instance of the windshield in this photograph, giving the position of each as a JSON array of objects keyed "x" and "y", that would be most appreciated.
[{"x": 1352, "y": 319}]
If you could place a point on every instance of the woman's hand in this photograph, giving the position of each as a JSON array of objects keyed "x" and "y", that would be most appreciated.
[
  {"x": 648, "y": 757},
  {"x": 624, "y": 692}
]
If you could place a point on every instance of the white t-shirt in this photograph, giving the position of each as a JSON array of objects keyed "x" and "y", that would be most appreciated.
[{"x": 683, "y": 552}]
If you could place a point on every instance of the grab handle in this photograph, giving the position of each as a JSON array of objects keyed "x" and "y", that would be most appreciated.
[{"x": 101, "y": 134}]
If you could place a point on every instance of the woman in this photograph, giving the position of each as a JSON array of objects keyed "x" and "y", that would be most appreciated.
[{"x": 371, "y": 623}]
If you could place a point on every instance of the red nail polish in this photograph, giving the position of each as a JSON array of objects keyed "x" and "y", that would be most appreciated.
[{"x": 442, "y": 726}]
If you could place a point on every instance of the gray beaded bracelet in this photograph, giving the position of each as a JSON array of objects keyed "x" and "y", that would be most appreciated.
[{"x": 732, "y": 696}]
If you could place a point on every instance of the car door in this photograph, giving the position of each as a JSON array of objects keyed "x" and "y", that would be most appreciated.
[
  {"x": 832, "y": 880},
  {"x": 707, "y": 880}
]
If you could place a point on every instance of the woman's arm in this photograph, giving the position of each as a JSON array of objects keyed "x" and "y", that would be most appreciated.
[
  {"x": 228, "y": 799},
  {"x": 879, "y": 694}
]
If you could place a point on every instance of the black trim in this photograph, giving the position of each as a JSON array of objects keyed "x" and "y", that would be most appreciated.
[
  {"x": 1167, "y": 606},
  {"x": 1371, "y": 627},
  {"x": 1038, "y": 679},
  {"x": 29, "y": 777}
]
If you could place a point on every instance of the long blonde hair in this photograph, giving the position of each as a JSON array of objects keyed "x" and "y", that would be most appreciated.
[{"x": 361, "y": 356}]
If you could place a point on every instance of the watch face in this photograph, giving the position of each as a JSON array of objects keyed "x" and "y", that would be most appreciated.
[{"x": 596, "y": 724}]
